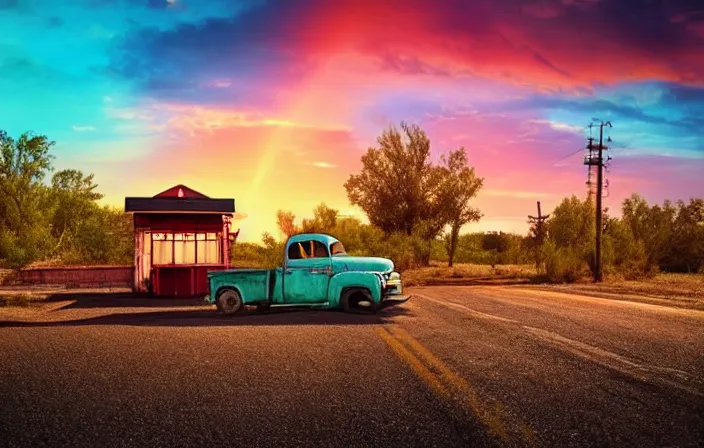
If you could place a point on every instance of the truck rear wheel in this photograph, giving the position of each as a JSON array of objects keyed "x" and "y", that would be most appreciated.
[
  {"x": 358, "y": 301},
  {"x": 229, "y": 302}
]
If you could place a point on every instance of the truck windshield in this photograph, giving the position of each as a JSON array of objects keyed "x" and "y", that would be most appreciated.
[{"x": 337, "y": 248}]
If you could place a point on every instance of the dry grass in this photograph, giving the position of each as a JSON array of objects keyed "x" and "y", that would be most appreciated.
[
  {"x": 246, "y": 264},
  {"x": 440, "y": 273},
  {"x": 662, "y": 285},
  {"x": 20, "y": 299}
]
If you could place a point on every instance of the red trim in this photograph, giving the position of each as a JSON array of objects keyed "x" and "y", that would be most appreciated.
[{"x": 190, "y": 265}]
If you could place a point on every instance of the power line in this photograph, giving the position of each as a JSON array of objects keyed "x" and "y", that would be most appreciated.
[{"x": 568, "y": 156}]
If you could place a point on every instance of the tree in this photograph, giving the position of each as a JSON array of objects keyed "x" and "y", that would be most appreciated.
[
  {"x": 102, "y": 236},
  {"x": 75, "y": 197},
  {"x": 650, "y": 226},
  {"x": 460, "y": 184},
  {"x": 572, "y": 224},
  {"x": 324, "y": 220},
  {"x": 687, "y": 245},
  {"x": 397, "y": 185},
  {"x": 24, "y": 199},
  {"x": 285, "y": 223},
  {"x": 23, "y": 165},
  {"x": 570, "y": 239}
]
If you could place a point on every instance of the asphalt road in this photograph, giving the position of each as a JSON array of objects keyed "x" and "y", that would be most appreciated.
[{"x": 454, "y": 366}]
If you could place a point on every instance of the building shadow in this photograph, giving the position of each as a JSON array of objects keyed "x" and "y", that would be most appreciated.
[{"x": 208, "y": 316}]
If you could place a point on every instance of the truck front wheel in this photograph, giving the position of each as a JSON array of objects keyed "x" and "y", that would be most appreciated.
[
  {"x": 358, "y": 301},
  {"x": 229, "y": 302}
]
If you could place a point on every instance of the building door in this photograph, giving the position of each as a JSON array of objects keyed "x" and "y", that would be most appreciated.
[{"x": 142, "y": 260}]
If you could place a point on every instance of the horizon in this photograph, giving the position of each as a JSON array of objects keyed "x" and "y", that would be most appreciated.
[{"x": 148, "y": 95}]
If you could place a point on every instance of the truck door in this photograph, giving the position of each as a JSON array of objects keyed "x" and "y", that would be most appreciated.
[{"x": 307, "y": 272}]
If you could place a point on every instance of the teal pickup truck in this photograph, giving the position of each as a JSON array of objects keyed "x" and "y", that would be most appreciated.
[{"x": 316, "y": 272}]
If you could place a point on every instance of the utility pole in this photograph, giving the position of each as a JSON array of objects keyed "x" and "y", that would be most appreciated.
[
  {"x": 538, "y": 221},
  {"x": 595, "y": 157},
  {"x": 539, "y": 233}
]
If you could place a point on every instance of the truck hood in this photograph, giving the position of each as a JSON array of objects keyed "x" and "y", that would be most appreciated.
[{"x": 350, "y": 263}]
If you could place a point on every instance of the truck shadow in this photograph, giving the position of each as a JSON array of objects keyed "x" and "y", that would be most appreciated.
[{"x": 208, "y": 316}]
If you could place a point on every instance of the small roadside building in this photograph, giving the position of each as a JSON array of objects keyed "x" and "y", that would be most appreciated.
[{"x": 179, "y": 235}]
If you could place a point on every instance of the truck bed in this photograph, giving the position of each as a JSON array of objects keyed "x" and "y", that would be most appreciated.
[{"x": 255, "y": 285}]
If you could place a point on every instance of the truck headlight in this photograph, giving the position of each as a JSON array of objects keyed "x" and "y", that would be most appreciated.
[{"x": 394, "y": 281}]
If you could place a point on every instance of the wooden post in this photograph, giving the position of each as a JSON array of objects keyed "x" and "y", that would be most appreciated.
[
  {"x": 226, "y": 241},
  {"x": 138, "y": 251}
]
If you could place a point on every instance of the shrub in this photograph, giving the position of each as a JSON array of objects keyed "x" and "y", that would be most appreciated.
[
  {"x": 16, "y": 300},
  {"x": 563, "y": 264}
]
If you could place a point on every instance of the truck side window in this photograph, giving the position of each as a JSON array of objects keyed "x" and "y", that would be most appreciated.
[
  {"x": 294, "y": 252},
  {"x": 307, "y": 249},
  {"x": 320, "y": 250}
]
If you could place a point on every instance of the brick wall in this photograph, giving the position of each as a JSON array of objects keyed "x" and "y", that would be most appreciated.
[{"x": 78, "y": 276}]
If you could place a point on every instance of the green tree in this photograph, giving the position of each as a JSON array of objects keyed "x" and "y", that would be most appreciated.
[
  {"x": 686, "y": 252},
  {"x": 571, "y": 232},
  {"x": 623, "y": 252},
  {"x": 397, "y": 185},
  {"x": 324, "y": 220},
  {"x": 75, "y": 200},
  {"x": 103, "y": 236},
  {"x": 458, "y": 187},
  {"x": 572, "y": 224},
  {"x": 24, "y": 202},
  {"x": 650, "y": 226}
]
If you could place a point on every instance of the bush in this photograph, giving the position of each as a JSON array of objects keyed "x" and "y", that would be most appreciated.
[
  {"x": 19, "y": 251},
  {"x": 624, "y": 255},
  {"x": 563, "y": 264},
  {"x": 268, "y": 255},
  {"x": 407, "y": 252},
  {"x": 16, "y": 300}
]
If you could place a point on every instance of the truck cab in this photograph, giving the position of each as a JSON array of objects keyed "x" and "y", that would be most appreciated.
[{"x": 317, "y": 272}]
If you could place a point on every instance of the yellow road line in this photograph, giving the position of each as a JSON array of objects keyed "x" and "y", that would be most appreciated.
[
  {"x": 405, "y": 355},
  {"x": 491, "y": 417}
]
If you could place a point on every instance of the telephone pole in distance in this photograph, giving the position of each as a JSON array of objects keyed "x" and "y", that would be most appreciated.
[
  {"x": 595, "y": 157},
  {"x": 538, "y": 220}
]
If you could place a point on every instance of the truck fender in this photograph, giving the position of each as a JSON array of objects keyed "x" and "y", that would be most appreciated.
[{"x": 353, "y": 279}]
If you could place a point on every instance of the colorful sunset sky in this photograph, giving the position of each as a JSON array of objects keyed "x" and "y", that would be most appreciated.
[{"x": 273, "y": 103}]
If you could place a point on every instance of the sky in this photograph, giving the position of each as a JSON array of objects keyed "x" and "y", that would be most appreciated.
[{"x": 273, "y": 103}]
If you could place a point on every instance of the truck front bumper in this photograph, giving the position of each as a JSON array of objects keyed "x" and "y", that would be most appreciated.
[
  {"x": 392, "y": 294},
  {"x": 392, "y": 287}
]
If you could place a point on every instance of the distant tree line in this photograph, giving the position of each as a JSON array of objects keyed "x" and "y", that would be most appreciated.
[
  {"x": 415, "y": 210},
  {"x": 56, "y": 219}
]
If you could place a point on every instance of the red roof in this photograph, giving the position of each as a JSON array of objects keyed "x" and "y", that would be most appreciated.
[{"x": 181, "y": 191}]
